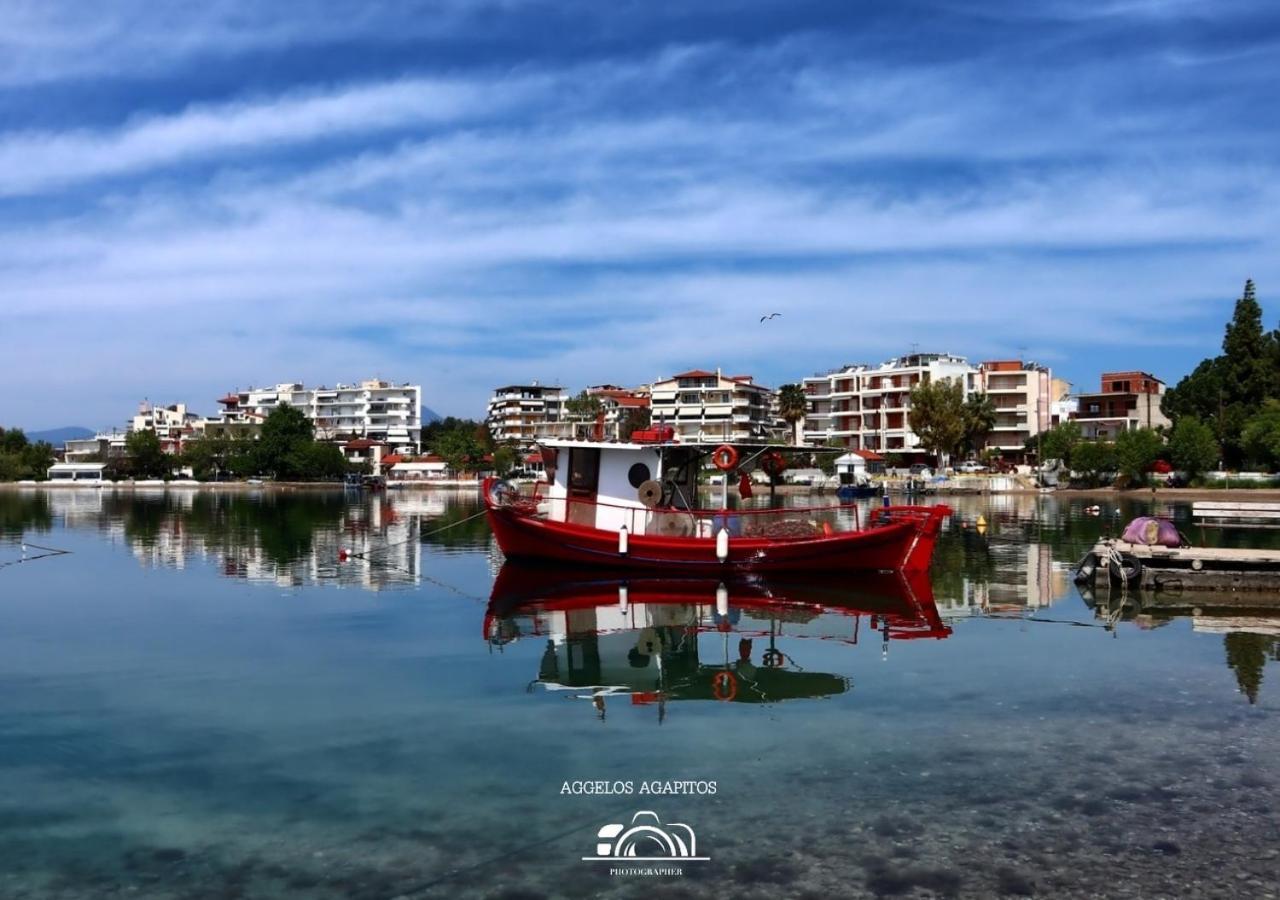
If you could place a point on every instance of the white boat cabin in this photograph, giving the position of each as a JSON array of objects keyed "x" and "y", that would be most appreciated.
[{"x": 649, "y": 488}]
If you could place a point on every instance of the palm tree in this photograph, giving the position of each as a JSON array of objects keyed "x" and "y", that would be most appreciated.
[
  {"x": 979, "y": 420},
  {"x": 793, "y": 406}
]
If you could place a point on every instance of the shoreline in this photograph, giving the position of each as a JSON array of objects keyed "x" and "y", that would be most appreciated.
[
  {"x": 1165, "y": 493},
  {"x": 232, "y": 486}
]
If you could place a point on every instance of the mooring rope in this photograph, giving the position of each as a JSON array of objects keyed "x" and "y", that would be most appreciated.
[{"x": 49, "y": 551}]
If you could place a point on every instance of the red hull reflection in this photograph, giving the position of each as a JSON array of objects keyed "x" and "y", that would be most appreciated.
[{"x": 609, "y": 635}]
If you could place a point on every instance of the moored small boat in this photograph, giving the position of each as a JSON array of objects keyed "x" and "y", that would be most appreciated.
[{"x": 635, "y": 505}]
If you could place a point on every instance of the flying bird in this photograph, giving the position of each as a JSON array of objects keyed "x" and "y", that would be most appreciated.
[{"x": 770, "y": 316}]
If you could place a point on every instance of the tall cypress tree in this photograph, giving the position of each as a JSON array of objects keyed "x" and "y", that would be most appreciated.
[{"x": 1247, "y": 349}]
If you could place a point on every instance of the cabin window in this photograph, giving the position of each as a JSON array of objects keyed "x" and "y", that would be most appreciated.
[
  {"x": 638, "y": 474},
  {"x": 584, "y": 470}
]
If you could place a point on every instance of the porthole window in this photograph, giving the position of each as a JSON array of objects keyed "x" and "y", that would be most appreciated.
[{"x": 638, "y": 474}]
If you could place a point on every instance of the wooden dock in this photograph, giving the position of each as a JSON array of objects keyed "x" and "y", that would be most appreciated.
[
  {"x": 1236, "y": 514},
  {"x": 1157, "y": 568}
]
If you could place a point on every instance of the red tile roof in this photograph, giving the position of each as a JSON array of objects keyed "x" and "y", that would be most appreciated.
[
  {"x": 392, "y": 459},
  {"x": 868, "y": 455},
  {"x": 359, "y": 444},
  {"x": 695, "y": 373},
  {"x": 636, "y": 402}
]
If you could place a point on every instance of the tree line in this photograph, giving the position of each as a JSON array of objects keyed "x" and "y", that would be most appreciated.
[
  {"x": 1226, "y": 411},
  {"x": 22, "y": 460}
]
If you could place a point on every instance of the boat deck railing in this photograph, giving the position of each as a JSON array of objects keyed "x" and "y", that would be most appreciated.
[{"x": 793, "y": 522}]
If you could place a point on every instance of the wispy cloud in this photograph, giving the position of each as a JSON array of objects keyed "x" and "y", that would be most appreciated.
[{"x": 614, "y": 215}]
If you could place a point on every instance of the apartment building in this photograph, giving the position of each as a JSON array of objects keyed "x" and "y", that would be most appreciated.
[
  {"x": 1022, "y": 393},
  {"x": 1126, "y": 401},
  {"x": 525, "y": 412},
  {"x": 376, "y": 410},
  {"x": 710, "y": 406},
  {"x": 867, "y": 408},
  {"x": 173, "y": 424}
]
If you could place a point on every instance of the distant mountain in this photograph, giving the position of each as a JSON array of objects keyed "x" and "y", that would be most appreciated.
[
  {"x": 59, "y": 436},
  {"x": 429, "y": 415}
]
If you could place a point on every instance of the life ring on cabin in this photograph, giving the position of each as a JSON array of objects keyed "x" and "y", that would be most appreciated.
[
  {"x": 773, "y": 463},
  {"x": 724, "y": 686},
  {"x": 725, "y": 458}
]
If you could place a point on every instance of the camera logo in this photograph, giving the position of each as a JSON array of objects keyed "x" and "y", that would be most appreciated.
[{"x": 647, "y": 840}]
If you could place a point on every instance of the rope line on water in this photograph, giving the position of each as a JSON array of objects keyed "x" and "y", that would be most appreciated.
[
  {"x": 385, "y": 547},
  {"x": 49, "y": 551}
]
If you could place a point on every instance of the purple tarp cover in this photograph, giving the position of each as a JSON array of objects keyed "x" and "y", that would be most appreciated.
[{"x": 1151, "y": 531}]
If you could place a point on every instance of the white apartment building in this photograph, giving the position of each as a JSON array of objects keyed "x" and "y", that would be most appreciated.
[
  {"x": 172, "y": 424},
  {"x": 866, "y": 408},
  {"x": 1022, "y": 393},
  {"x": 524, "y": 412},
  {"x": 711, "y": 406},
  {"x": 374, "y": 409}
]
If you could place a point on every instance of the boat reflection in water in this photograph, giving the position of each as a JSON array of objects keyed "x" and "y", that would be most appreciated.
[{"x": 638, "y": 638}]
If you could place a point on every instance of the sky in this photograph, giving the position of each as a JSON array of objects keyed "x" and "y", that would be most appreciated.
[{"x": 470, "y": 193}]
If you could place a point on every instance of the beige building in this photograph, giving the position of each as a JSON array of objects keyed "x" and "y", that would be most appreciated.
[
  {"x": 1022, "y": 393},
  {"x": 867, "y": 408},
  {"x": 1127, "y": 401},
  {"x": 710, "y": 406},
  {"x": 525, "y": 412}
]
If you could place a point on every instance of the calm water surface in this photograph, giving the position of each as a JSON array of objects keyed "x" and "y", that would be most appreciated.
[{"x": 205, "y": 699}]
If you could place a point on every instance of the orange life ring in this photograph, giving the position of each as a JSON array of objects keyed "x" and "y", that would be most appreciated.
[
  {"x": 724, "y": 685},
  {"x": 725, "y": 458},
  {"x": 773, "y": 463}
]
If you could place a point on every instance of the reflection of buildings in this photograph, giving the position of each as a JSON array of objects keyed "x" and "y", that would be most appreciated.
[
  {"x": 288, "y": 541},
  {"x": 1026, "y": 577}
]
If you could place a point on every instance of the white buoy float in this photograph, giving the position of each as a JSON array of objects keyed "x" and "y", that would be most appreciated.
[
  {"x": 722, "y": 544},
  {"x": 623, "y": 538},
  {"x": 623, "y": 597},
  {"x": 722, "y": 600}
]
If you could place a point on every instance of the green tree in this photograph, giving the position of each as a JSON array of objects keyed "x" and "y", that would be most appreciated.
[
  {"x": 279, "y": 449},
  {"x": 505, "y": 457},
  {"x": 827, "y": 461},
  {"x": 979, "y": 420},
  {"x": 459, "y": 448},
  {"x": 937, "y": 415},
  {"x": 1093, "y": 458},
  {"x": 1247, "y": 374},
  {"x": 583, "y": 406},
  {"x": 1260, "y": 436},
  {"x": 1225, "y": 392},
  {"x": 317, "y": 461},
  {"x": 37, "y": 459},
  {"x": 208, "y": 456},
  {"x": 1198, "y": 394},
  {"x": 12, "y": 440},
  {"x": 1193, "y": 447},
  {"x": 147, "y": 458},
  {"x": 793, "y": 406},
  {"x": 1136, "y": 450},
  {"x": 1059, "y": 442}
]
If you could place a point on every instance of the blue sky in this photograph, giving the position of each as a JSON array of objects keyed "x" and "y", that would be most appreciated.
[{"x": 467, "y": 193}]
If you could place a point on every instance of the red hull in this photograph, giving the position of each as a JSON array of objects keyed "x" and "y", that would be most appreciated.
[{"x": 904, "y": 543}]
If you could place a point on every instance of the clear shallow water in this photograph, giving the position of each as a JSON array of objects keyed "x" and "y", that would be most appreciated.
[{"x": 204, "y": 700}]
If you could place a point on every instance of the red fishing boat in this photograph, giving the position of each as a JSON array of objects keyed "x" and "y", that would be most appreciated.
[{"x": 636, "y": 505}]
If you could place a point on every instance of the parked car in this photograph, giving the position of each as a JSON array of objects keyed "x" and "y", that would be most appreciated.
[
  {"x": 920, "y": 470},
  {"x": 970, "y": 467}
]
